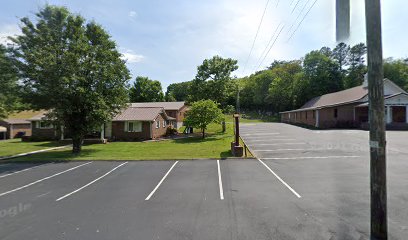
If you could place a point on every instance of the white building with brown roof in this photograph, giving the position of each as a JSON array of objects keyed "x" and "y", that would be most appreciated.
[{"x": 349, "y": 108}]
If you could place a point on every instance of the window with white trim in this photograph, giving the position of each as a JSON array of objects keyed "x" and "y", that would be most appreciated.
[
  {"x": 164, "y": 123},
  {"x": 44, "y": 125},
  {"x": 133, "y": 126},
  {"x": 157, "y": 124}
]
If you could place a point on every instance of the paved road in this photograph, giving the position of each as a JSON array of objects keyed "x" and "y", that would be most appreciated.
[
  {"x": 282, "y": 198},
  {"x": 330, "y": 170}
]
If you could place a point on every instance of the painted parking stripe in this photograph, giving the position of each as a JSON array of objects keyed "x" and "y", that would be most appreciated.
[
  {"x": 277, "y": 144},
  {"x": 294, "y": 158},
  {"x": 220, "y": 181},
  {"x": 90, "y": 183},
  {"x": 259, "y": 134},
  {"x": 281, "y": 180},
  {"x": 292, "y": 149},
  {"x": 257, "y": 139},
  {"x": 161, "y": 181},
  {"x": 42, "y": 179},
  {"x": 12, "y": 173}
]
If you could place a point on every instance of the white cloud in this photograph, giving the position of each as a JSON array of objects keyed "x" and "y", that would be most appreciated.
[
  {"x": 131, "y": 57},
  {"x": 132, "y": 14},
  {"x": 7, "y": 31}
]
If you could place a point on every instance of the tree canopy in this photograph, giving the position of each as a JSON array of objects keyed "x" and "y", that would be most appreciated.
[
  {"x": 146, "y": 90},
  {"x": 213, "y": 80},
  {"x": 202, "y": 113},
  {"x": 73, "y": 68},
  {"x": 9, "y": 87}
]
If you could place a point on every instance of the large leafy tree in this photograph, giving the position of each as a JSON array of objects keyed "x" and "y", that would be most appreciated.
[
  {"x": 202, "y": 113},
  {"x": 73, "y": 68},
  {"x": 177, "y": 91},
  {"x": 146, "y": 90},
  {"x": 397, "y": 71},
  {"x": 321, "y": 74},
  {"x": 340, "y": 54},
  {"x": 213, "y": 80},
  {"x": 9, "y": 88},
  {"x": 281, "y": 91},
  {"x": 357, "y": 67}
]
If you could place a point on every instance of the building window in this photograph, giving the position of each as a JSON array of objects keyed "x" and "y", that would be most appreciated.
[
  {"x": 336, "y": 112},
  {"x": 164, "y": 123},
  {"x": 157, "y": 124},
  {"x": 44, "y": 125},
  {"x": 133, "y": 126}
]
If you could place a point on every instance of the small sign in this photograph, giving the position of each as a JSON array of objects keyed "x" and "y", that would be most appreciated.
[{"x": 236, "y": 115}]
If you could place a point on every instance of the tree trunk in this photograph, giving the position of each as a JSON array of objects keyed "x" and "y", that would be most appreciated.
[
  {"x": 224, "y": 127},
  {"x": 77, "y": 144},
  {"x": 203, "y": 131}
]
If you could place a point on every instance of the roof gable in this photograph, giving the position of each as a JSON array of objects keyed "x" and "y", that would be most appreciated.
[
  {"x": 139, "y": 114},
  {"x": 342, "y": 97},
  {"x": 165, "y": 105}
]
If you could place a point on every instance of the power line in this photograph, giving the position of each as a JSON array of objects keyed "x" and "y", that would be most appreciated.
[
  {"x": 267, "y": 45},
  {"x": 297, "y": 3},
  {"x": 256, "y": 36},
  {"x": 302, "y": 20},
  {"x": 273, "y": 44},
  {"x": 300, "y": 13}
]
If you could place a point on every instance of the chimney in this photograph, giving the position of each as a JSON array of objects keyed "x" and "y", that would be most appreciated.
[{"x": 365, "y": 83}]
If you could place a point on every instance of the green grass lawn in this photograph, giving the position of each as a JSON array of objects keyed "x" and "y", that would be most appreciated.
[
  {"x": 16, "y": 146},
  {"x": 215, "y": 145}
]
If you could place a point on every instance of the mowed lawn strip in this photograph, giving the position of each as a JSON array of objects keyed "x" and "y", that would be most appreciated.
[
  {"x": 215, "y": 145},
  {"x": 16, "y": 146}
]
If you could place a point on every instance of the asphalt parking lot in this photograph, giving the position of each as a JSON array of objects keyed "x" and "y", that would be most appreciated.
[{"x": 306, "y": 185}]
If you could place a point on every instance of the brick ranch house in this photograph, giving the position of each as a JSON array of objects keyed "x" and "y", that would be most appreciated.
[
  {"x": 17, "y": 125},
  {"x": 349, "y": 108},
  {"x": 139, "y": 121}
]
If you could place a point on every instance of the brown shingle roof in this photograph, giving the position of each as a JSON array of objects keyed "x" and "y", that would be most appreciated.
[
  {"x": 39, "y": 116},
  {"x": 342, "y": 97},
  {"x": 138, "y": 114},
  {"x": 16, "y": 121},
  {"x": 165, "y": 105}
]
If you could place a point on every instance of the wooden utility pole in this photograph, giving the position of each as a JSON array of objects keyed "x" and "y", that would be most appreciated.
[{"x": 378, "y": 183}]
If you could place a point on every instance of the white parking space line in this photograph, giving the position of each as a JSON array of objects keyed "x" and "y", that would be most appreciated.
[
  {"x": 323, "y": 157},
  {"x": 259, "y": 134},
  {"x": 12, "y": 173},
  {"x": 257, "y": 139},
  {"x": 90, "y": 183},
  {"x": 277, "y": 144},
  {"x": 43, "y": 179},
  {"x": 280, "y": 179},
  {"x": 292, "y": 149},
  {"x": 220, "y": 181},
  {"x": 161, "y": 181}
]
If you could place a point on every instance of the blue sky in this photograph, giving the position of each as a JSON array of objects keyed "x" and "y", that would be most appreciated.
[{"x": 167, "y": 40}]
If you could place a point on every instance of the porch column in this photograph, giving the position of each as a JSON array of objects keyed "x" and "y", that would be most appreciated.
[
  {"x": 389, "y": 114},
  {"x": 103, "y": 132},
  {"x": 406, "y": 114},
  {"x": 317, "y": 118}
]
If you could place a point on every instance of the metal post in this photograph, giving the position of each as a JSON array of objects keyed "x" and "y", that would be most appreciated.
[
  {"x": 236, "y": 116},
  {"x": 379, "y": 229}
]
